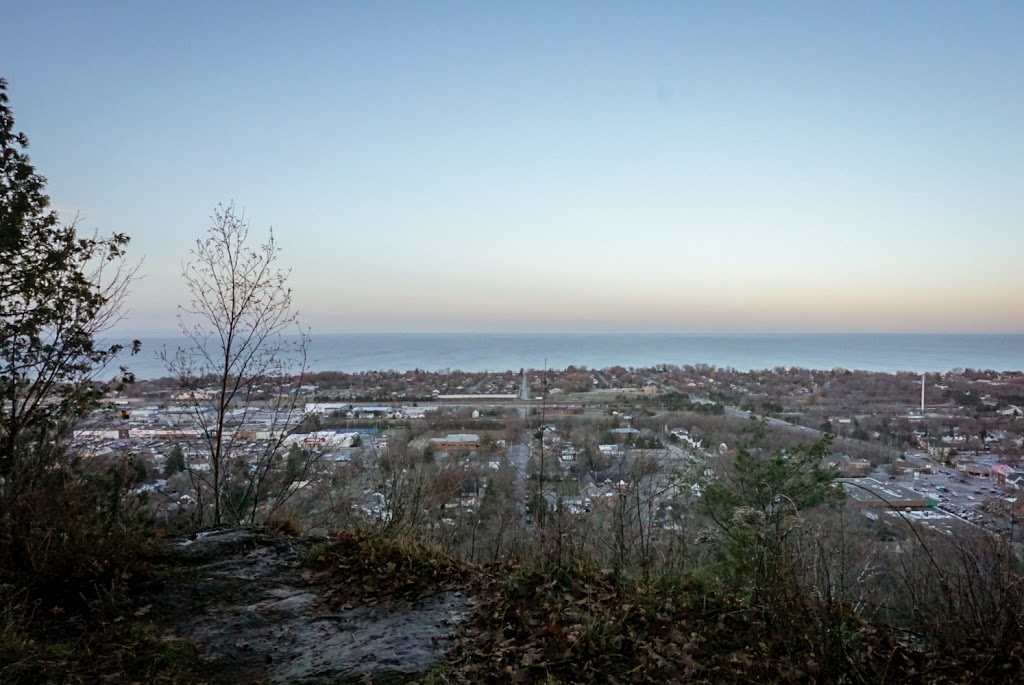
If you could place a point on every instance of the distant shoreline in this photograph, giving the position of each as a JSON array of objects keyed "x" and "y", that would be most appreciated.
[{"x": 495, "y": 352}]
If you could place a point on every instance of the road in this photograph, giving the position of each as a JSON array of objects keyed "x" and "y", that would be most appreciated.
[{"x": 777, "y": 423}]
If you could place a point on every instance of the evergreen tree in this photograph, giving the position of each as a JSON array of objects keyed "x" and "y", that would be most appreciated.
[
  {"x": 175, "y": 462},
  {"x": 59, "y": 524},
  {"x": 58, "y": 290}
]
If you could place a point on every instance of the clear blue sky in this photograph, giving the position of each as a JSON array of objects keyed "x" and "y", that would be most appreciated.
[{"x": 710, "y": 166}]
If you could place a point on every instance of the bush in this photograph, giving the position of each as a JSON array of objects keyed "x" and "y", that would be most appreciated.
[{"x": 71, "y": 533}]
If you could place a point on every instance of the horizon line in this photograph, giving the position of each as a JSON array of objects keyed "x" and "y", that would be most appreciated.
[{"x": 717, "y": 333}]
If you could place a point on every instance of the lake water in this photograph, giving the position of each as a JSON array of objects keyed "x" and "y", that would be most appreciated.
[{"x": 499, "y": 351}]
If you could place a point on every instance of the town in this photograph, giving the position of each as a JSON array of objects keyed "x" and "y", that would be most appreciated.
[
  {"x": 487, "y": 343},
  {"x": 941, "y": 449}
]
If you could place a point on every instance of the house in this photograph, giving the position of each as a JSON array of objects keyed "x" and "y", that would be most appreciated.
[
  {"x": 1012, "y": 412},
  {"x": 683, "y": 435},
  {"x": 595, "y": 496}
]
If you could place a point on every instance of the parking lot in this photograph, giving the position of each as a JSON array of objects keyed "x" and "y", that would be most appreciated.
[{"x": 962, "y": 496}]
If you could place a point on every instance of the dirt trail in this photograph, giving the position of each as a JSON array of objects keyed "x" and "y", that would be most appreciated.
[{"x": 257, "y": 616}]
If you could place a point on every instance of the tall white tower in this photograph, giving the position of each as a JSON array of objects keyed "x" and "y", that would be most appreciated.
[
  {"x": 524, "y": 388},
  {"x": 922, "y": 394}
]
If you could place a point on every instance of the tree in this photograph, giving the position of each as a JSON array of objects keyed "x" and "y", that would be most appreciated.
[
  {"x": 175, "y": 462},
  {"x": 755, "y": 501},
  {"x": 60, "y": 522},
  {"x": 245, "y": 345},
  {"x": 58, "y": 292},
  {"x": 776, "y": 485}
]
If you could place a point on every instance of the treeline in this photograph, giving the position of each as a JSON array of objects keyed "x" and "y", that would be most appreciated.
[{"x": 681, "y": 402}]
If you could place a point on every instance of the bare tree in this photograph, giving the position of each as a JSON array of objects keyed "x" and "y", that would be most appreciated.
[{"x": 244, "y": 363}]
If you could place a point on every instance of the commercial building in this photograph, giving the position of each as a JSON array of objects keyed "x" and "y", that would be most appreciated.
[{"x": 466, "y": 442}]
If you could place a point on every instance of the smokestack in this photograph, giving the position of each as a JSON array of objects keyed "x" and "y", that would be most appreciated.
[{"x": 922, "y": 394}]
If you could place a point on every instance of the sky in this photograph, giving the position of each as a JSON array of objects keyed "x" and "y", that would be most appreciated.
[{"x": 550, "y": 166}]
